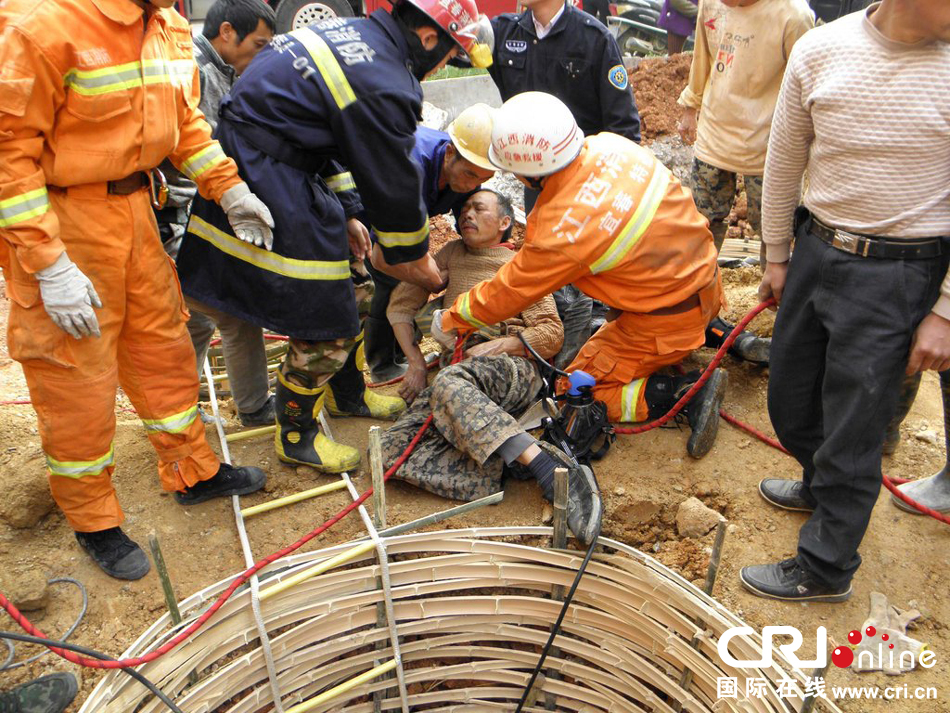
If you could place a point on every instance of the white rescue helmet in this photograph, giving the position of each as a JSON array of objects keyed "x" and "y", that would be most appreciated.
[
  {"x": 534, "y": 134},
  {"x": 471, "y": 134}
]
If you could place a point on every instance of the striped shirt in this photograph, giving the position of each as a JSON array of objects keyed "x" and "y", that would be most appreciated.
[{"x": 870, "y": 120}]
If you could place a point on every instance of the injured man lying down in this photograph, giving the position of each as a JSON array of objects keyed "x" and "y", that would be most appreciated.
[{"x": 475, "y": 438}]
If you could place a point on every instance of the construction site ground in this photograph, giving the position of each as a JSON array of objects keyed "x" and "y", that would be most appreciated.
[{"x": 644, "y": 479}]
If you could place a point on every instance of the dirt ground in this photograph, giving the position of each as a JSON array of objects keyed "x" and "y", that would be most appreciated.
[{"x": 644, "y": 479}]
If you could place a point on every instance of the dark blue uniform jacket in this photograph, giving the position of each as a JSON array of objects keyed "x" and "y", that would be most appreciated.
[
  {"x": 313, "y": 102},
  {"x": 578, "y": 61}
]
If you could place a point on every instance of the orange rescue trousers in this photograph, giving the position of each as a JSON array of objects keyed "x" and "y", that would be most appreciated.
[
  {"x": 625, "y": 352},
  {"x": 144, "y": 347}
]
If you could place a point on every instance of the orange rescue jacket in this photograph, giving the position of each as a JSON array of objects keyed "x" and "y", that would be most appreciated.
[
  {"x": 89, "y": 93},
  {"x": 616, "y": 224}
]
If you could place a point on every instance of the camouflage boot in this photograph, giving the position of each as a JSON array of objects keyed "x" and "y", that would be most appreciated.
[
  {"x": 298, "y": 438},
  {"x": 47, "y": 694},
  {"x": 347, "y": 395},
  {"x": 892, "y": 437}
]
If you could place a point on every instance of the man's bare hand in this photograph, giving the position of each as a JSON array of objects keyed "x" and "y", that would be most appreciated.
[
  {"x": 358, "y": 237},
  {"x": 773, "y": 281},
  {"x": 502, "y": 345},
  {"x": 423, "y": 272},
  {"x": 413, "y": 382},
  {"x": 930, "y": 348},
  {"x": 687, "y": 126}
]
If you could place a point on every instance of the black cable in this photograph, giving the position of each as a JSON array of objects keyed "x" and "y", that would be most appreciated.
[
  {"x": 96, "y": 655},
  {"x": 8, "y": 665},
  {"x": 537, "y": 357},
  {"x": 556, "y": 629}
]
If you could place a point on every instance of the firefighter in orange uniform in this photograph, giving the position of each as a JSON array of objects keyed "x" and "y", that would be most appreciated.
[
  {"x": 93, "y": 95},
  {"x": 612, "y": 220}
]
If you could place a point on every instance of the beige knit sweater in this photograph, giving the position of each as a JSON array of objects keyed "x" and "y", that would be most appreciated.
[
  {"x": 467, "y": 267},
  {"x": 869, "y": 118}
]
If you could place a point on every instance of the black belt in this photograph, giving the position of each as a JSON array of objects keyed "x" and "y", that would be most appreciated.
[
  {"x": 128, "y": 185},
  {"x": 875, "y": 245},
  {"x": 277, "y": 148}
]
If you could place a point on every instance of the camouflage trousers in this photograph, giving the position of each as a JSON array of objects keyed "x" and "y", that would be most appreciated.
[
  {"x": 714, "y": 191},
  {"x": 471, "y": 403},
  {"x": 321, "y": 360}
]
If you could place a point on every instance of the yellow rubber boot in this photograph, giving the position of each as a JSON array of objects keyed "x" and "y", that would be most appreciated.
[
  {"x": 299, "y": 439},
  {"x": 347, "y": 395}
]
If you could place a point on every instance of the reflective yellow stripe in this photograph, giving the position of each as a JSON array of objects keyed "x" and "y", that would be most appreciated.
[
  {"x": 327, "y": 65},
  {"x": 200, "y": 162},
  {"x": 638, "y": 223},
  {"x": 402, "y": 240},
  {"x": 272, "y": 262},
  {"x": 80, "y": 468},
  {"x": 629, "y": 398},
  {"x": 23, "y": 207},
  {"x": 176, "y": 423},
  {"x": 341, "y": 182},
  {"x": 465, "y": 312},
  {"x": 130, "y": 75}
]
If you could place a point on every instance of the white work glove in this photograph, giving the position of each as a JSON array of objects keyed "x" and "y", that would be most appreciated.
[
  {"x": 68, "y": 296},
  {"x": 250, "y": 218},
  {"x": 446, "y": 339},
  {"x": 887, "y": 620}
]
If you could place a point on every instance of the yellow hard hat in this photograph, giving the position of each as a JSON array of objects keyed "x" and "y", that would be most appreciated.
[{"x": 471, "y": 134}]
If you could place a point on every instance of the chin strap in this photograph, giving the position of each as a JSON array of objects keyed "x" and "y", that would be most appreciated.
[{"x": 422, "y": 61}]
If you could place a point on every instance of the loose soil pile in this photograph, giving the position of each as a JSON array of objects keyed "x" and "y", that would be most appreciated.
[{"x": 657, "y": 84}]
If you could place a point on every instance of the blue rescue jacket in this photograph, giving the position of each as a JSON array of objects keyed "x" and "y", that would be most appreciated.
[{"x": 321, "y": 112}]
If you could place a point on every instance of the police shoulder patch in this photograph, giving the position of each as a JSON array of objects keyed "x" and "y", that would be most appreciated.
[{"x": 617, "y": 75}]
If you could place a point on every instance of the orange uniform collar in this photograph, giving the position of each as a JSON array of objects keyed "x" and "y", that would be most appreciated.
[{"x": 124, "y": 12}]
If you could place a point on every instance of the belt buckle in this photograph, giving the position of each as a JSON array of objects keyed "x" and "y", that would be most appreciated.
[
  {"x": 157, "y": 188},
  {"x": 849, "y": 242}
]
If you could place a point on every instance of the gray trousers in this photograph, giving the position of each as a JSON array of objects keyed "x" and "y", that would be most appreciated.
[
  {"x": 243, "y": 346},
  {"x": 841, "y": 342}
]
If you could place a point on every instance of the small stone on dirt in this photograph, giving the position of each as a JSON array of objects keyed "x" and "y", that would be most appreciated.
[
  {"x": 694, "y": 519},
  {"x": 26, "y": 588},
  {"x": 27, "y": 500},
  {"x": 547, "y": 513},
  {"x": 927, "y": 437}
]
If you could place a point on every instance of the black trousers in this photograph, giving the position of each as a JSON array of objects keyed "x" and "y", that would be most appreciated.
[{"x": 840, "y": 346}]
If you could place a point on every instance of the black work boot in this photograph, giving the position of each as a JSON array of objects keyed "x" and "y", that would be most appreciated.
[
  {"x": 747, "y": 346},
  {"x": 892, "y": 436},
  {"x": 381, "y": 350},
  {"x": 46, "y": 694},
  {"x": 264, "y": 416},
  {"x": 702, "y": 412},
  {"x": 347, "y": 395},
  {"x": 789, "y": 581},
  {"x": 227, "y": 481},
  {"x": 115, "y": 553},
  {"x": 584, "y": 506},
  {"x": 298, "y": 438},
  {"x": 932, "y": 491}
]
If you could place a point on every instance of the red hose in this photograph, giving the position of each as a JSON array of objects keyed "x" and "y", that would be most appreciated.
[
  {"x": 237, "y": 582},
  {"x": 678, "y": 406}
]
